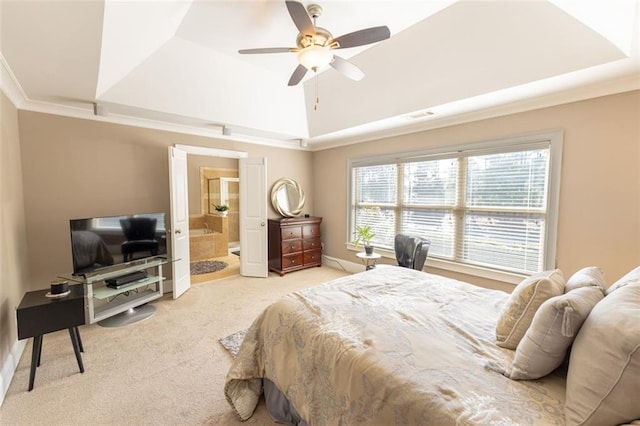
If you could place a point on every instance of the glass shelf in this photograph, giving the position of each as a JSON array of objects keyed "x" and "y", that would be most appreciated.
[
  {"x": 117, "y": 306},
  {"x": 107, "y": 292},
  {"x": 117, "y": 270}
]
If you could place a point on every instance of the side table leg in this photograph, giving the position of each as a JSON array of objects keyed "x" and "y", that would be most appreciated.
[
  {"x": 35, "y": 359},
  {"x": 76, "y": 348},
  {"x": 39, "y": 349},
  {"x": 79, "y": 339}
]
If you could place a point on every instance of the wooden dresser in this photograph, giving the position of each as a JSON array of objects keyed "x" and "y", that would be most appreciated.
[{"x": 294, "y": 244}]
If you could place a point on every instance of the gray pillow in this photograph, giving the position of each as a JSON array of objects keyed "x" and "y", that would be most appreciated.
[
  {"x": 556, "y": 323},
  {"x": 590, "y": 276},
  {"x": 517, "y": 313},
  {"x": 603, "y": 380}
]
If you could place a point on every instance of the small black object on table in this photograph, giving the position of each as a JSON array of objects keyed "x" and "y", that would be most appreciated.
[{"x": 39, "y": 314}]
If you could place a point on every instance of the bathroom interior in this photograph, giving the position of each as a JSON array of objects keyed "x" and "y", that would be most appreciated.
[{"x": 214, "y": 237}]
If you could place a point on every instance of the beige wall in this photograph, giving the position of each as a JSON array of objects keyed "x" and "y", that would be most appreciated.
[
  {"x": 14, "y": 273},
  {"x": 82, "y": 168},
  {"x": 599, "y": 220}
]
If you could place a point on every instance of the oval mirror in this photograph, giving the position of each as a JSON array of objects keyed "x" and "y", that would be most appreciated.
[{"x": 287, "y": 197}]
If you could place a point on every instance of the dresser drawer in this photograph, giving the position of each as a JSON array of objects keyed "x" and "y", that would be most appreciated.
[
  {"x": 310, "y": 231},
  {"x": 313, "y": 257},
  {"x": 311, "y": 244},
  {"x": 291, "y": 232},
  {"x": 292, "y": 260},
  {"x": 291, "y": 246}
]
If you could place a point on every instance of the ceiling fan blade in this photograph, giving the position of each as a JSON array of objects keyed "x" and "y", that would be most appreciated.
[
  {"x": 301, "y": 18},
  {"x": 361, "y": 37},
  {"x": 347, "y": 68},
  {"x": 297, "y": 75},
  {"x": 267, "y": 50}
]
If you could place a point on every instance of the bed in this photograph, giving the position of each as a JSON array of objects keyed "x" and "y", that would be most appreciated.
[{"x": 389, "y": 346}]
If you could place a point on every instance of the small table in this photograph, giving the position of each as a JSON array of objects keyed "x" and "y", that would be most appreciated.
[
  {"x": 369, "y": 260},
  {"x": 38, "y": 315}
]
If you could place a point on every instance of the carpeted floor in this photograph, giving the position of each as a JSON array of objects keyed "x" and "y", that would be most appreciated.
[{"x": 166, "y": 370}]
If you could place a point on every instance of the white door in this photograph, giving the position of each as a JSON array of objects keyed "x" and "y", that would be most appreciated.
[
  {"x": 253, "y": 217},
  {"x": 179, "y": 220}
]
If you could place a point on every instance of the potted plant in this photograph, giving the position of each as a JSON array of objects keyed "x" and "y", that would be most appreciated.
[
  {"x": 364, "y": 235},
  {"x": 222, "y": 209}
]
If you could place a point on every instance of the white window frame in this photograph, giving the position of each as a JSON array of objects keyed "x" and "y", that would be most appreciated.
[{"x": 554, "y": 139}]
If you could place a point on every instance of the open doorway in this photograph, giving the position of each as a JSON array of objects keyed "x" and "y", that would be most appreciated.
[
  {"x": 220, "y": 192},
  {"x": 253, "y": 213},
  {"x": 214, "y": 231}
]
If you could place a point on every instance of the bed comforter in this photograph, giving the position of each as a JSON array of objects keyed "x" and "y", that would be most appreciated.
[{"x": 390, "y": 346}]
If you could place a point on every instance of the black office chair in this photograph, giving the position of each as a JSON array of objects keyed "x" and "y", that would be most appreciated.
[
  {"x": 411, "y": 251},
  {"x": 140, "y": 233}
]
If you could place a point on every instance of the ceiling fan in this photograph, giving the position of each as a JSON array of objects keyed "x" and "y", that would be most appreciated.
[{"x": 315, "y": 45}]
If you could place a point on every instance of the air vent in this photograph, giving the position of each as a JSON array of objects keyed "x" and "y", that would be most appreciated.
[{"x": 420, "y": 114}]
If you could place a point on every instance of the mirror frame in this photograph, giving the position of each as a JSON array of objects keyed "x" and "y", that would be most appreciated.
[{"x": 282, "y": 210}]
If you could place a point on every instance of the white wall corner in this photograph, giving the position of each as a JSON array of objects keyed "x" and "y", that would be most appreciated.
[{"x": 9, "y": 367}]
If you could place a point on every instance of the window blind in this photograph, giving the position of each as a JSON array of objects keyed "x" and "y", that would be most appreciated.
[
  {"x": 375, "y": 195},
  {"x": 486, "y": 207}
]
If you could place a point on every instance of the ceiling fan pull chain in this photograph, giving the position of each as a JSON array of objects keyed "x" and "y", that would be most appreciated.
[{"x": 315, "y": 107}]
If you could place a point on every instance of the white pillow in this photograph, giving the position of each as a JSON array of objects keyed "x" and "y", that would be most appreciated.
[
  {"x": 603, "y": 380},
  {"x": 589, "y": 276},
  {"x": 556, "y": 323},
  {"x": 517, "y": 313},
  {"x": 631, "y": 277}
]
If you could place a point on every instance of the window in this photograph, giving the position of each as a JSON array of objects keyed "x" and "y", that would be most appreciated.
[{"x": 491, "y": 205}]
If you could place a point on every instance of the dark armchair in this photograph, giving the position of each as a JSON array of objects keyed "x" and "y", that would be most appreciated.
[
  {"x": 141, "y": 236},
  {"x": 411, "y": 251}
]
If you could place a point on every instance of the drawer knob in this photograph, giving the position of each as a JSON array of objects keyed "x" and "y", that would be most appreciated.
[{"x": 293, "y": 261}]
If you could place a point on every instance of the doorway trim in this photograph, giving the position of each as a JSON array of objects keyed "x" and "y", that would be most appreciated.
[
  {"x": 204, "y": 151},
  {"x": 211, "y": 152}
]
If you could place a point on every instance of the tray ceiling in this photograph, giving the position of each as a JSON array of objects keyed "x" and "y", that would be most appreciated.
[{"x": 176, "y": 62}]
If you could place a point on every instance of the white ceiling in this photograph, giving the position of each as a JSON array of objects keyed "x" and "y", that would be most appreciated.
[{"x": 176, "y": 62}]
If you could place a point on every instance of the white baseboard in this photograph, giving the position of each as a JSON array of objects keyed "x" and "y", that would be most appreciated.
[{"x": 9, "y": 367}]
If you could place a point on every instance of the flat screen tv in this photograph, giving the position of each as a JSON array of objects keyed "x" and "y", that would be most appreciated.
[{"x": 101, "y": 242}]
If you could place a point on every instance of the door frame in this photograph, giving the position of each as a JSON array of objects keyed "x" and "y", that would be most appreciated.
[{"x": 209, "y": 152}]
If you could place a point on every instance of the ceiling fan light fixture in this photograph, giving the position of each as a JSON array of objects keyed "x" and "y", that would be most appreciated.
[
  {"x": 315, "y": 58},
  {"x": 314, "y": 45}
]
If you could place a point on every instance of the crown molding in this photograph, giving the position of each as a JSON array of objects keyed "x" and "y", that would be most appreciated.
[
  {"x": 366, "y": 133},
  {"x": 620, "y": 85},
  {"x": 11, "y": 87}
]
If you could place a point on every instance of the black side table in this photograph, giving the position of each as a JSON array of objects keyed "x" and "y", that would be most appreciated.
[{"x": 39, "y": 314}]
